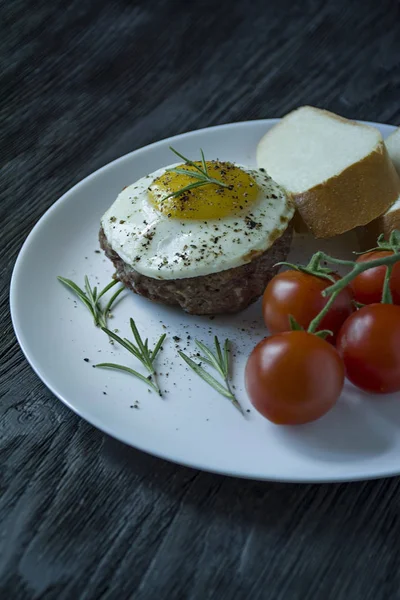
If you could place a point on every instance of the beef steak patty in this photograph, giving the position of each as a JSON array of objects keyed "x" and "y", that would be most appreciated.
[{"x": 218, "y": 293}]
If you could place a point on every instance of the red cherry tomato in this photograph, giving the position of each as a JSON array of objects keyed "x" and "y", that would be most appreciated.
[
  {"x": 367, "y": 287},
  {"x": 294, "y": 377},
  {"x": 369, "y": 343},
  {"x": 300, "y": 295}
]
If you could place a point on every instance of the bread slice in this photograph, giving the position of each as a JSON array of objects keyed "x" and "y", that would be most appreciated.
[
  {"x": 338, "y": 171},
  {"x": 385, "y": 224},
  {"x": 393, "y": 147},
  {"x": 298, "y": 224},
  {"x": 391, "y": 218}
]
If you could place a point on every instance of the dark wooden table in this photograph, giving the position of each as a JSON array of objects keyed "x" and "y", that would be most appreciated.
[{"x": 81, "y": 515}]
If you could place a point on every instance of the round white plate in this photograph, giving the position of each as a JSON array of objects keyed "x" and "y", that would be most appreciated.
[{"x": 193, "y": 425}]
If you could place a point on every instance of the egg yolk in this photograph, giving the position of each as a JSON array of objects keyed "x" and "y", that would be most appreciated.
[{"x": 209, "y": 201}]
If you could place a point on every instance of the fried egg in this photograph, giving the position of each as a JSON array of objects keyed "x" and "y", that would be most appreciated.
[{"x": 167, "y": 234}]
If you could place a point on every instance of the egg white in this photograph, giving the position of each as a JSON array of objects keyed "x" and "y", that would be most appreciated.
[{"x": 168, "y": 248}]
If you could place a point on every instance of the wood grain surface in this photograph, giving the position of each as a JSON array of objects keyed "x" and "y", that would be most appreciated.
[{"x": 81, "y": 515}]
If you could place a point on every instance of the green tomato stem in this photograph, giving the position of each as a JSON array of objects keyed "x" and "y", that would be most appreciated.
[
  {"x": 317, "y": 320},
  {"x": 334, "y": 290},
  {"x": 338, "y": 261},
  {"x": 386, "y": 292},
  {"x": 356, "y": 270},
  {"x": 314, "y": 263}
]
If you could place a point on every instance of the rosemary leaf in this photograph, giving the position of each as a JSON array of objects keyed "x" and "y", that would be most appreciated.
[
  {"x": 218, "y": 349},
  {"x": 202, "y": 175},
  {"x": 206, "y": 360},
  {"x": 112, "y": 299},
  {"x": 131, "y": 372},
  {"x": 187, "y": 160},
  {"x": 206, "y": 376},
  {"x": 89, "y": 291},
  {"x": 158, "y": 347},
  {"x": 141, "y": 346},
  {"x": 108, "y": 287},
  {"x": 211, "y": 359},
  {"x": 132, "y": 348},
  {"x": 81, "y": 295},
  {"x": 220, "y": 362},
  {"x": 226, "y": 358},
  {"x": 141, "y": 352},
  {"x": 186, "y": 172},
  {"x": 203, "y": 160},
  {"x": 90, "y": 298},
  {"x": 125, "y": 343},
  {"x": 187, "y": 188}
]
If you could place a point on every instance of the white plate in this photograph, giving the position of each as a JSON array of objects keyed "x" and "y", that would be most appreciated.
[{"x": 193, "y": 425}]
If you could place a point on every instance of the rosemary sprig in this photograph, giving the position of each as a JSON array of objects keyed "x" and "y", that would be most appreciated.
[
  {"x": 140, "y": 351},
  {"x": 220, "y": 362},
  {"x": 91, "y": 299},
  {"x": 201, "y": 174}
]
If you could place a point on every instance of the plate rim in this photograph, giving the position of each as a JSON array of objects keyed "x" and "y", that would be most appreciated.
[{"x": 97, "y": 423}]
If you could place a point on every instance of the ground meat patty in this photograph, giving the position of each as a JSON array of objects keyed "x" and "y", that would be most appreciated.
[{"x": 218, "y": 293}]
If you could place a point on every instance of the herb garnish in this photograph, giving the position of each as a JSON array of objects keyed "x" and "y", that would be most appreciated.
[
  {"x": 201, "y": 174},
  {"x": 220, "y": 362},
  {"x": 141, "y": 351},
  {"x": 90, "y": 299}
]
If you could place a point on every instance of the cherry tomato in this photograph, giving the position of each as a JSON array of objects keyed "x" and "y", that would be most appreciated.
[
  {"x": 294, "y": 377},
  {"x": 299, "y": 294},
  {"x": 367, "y": 287},
  {"x": 369, "y": 343}
]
